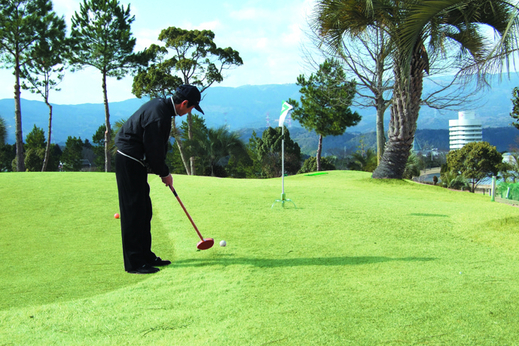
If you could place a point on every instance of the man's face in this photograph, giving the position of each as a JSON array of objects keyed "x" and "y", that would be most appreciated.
[{"x": 183, "y": 109}]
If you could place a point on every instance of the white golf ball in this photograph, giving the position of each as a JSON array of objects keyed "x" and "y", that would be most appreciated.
[{"x": 223, "y": 243}]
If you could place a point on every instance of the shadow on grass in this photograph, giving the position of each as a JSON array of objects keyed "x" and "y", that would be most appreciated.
[
  {"x": 295, "y": 262},
  {"x": 428, "y": 215}
]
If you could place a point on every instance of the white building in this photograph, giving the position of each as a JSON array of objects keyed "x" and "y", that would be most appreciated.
[{"x": 464, "y": 130}]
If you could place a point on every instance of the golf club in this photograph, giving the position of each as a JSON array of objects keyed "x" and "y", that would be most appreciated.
[{"x": 203, "y": 244}]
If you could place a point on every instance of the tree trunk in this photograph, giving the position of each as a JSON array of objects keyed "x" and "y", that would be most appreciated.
[
  {"x": 190, "y": 136},
  {"x": 20, "y": 163},
  {"x": 47, "y": 149},
  {"x": 396, "y": 153},
  {"x": 318, "y": 156},
  {"x": 407, "y": 96},
  {"x": 400, "y": 136},
  {"x": 381, "y": 135},
  {"x": 108, "y": 132},
  {"x": 178, "y": 140},
  {"x": 379, "y": 100},
  {"x": 182, "y": 155}
]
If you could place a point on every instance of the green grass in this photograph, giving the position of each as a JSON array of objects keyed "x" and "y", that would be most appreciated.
[{"x": 359, "y": 262}]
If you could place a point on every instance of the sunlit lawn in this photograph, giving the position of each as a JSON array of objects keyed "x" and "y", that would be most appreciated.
[{"x": 358, "y": 262}]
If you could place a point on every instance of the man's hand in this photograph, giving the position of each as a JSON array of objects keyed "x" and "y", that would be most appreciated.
[{"x": 168, "y": 180}]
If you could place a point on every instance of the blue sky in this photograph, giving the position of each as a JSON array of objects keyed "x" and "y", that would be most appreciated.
[{"x": 268, "y": 34}]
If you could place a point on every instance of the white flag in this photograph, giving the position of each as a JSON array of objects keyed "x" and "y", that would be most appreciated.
[{"x": 285, "y": 108}]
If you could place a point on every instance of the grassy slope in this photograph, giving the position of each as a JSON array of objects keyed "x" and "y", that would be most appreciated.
[{"x": 359, "y": 262}]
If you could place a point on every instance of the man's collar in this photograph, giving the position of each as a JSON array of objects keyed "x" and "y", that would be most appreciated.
[{"x": 173, "y": 104}]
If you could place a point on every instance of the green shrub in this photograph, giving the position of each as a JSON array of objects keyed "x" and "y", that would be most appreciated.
[
  {"x": 454, "y": 181},
  {"x": 310, "y": 165},
  {"x": 502, "y": 190}
]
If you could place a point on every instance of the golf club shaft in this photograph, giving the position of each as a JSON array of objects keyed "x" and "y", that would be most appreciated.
[{"x": 189, "y": 216}]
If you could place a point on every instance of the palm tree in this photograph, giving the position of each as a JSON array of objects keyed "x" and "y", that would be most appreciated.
[
  {"x": 218, "y": 144},
  {"x": 452, "y": 180},
  {"x": 413, "y": 167},
  {"x": 451, "y": 29},
  {"x": 363, "y": 161},
  {"x": 224, "y": 144}
]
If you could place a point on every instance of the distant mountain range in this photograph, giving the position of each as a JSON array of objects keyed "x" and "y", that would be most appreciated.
[
  {"x": 503, "y": 138},
  {"x": 247, "y": 107}
]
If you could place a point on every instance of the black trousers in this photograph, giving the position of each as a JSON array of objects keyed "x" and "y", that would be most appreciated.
[{"x": 135, "y": 212}]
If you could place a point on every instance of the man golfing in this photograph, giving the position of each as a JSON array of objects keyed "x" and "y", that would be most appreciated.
[{"x": 141, "y": 146}]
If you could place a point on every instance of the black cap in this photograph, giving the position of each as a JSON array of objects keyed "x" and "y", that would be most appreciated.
[{"x": 190, "y": 93}]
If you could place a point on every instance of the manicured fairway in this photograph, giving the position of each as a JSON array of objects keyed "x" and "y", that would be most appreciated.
[{"x": 358, "y": 262}]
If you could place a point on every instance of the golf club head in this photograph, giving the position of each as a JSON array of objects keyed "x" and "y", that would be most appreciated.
[{"x": 205, "y": 244}]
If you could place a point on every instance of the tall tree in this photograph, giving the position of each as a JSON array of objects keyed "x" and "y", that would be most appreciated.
[
  {"x": 3, "y": 132},
  {"x": 255, "y": 169},
  {"x": 102, "y": 38},
  {"x": 6, "y": 151},
  {"x": 195, "y": 59},
  {"x": 269, "y": 150},
  {"x": 72, "y": 154},
  {"x": 45, "y": 71},
  {"x": 34, "y": 149},
  {"x": 367, "y": 58},
  {"x": 98, "y": 146},
  {"x": 35, "y": 138},
  {"x": 159, "y": 79},
  {"x": 418, "y": 30},
  {"x": 326, "y": 98},
  {"x": 21, "y": 21}
]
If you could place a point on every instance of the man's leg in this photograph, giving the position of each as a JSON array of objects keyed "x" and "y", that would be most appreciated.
[{"x": 135, "y": 210}]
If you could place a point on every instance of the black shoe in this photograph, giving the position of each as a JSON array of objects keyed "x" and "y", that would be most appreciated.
[
  {"x": 145, "y": 269},
  {"x": 157, "y": 262}
]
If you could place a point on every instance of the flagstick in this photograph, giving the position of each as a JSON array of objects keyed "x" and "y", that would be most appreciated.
[
  {"x": 284, "y": 112},
  {"x": 283, "y": 163}
]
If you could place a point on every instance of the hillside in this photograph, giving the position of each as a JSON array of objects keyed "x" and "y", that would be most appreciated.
[
  {"x": 241, "y": 107},
  {"x": 501, "y": 137}
]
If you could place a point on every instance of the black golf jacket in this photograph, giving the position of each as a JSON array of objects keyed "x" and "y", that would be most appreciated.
[{"x": 144, "y": 136}]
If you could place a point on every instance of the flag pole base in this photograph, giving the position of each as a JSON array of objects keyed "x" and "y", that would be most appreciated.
[{"x": 283, "y": 200}]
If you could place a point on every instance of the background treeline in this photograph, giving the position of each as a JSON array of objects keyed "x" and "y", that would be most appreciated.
[
  {"x": 217, "y": 152},
  {"x": 344, "y": 152}
]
